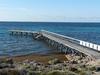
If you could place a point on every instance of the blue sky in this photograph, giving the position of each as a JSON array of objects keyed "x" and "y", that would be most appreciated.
[{"x": 50, "y": 10}]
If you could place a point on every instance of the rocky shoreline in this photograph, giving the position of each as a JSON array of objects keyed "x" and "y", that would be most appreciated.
[{"x": 74, "y": 65}]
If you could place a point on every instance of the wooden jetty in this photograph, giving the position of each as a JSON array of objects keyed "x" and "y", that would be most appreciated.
[
  {"x": 33, "y": 34},
  {"x": 62, "y": 43}
]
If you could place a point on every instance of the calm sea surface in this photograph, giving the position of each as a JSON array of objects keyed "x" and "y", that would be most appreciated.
[{"x": 13, "y": 45}]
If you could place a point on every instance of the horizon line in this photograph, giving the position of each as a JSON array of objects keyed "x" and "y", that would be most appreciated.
[{"x": 57, "y": 21}]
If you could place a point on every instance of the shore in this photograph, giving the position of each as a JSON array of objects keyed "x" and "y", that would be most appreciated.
[
  {"x": 36, "y": 64},
  {"x": 38, "y": 57}
]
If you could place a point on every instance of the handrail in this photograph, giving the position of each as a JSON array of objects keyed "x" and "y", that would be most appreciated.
[{"x": 73, "y": 40}]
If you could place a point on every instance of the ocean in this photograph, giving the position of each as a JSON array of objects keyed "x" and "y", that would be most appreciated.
[{"x": 16, "y": 45}]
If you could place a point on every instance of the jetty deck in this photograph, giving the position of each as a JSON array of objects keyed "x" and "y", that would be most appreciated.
[
  {"x": 21, "y": 31},
  {"x": 88, "y": 51},
  {"x": 64, "y": 41}
]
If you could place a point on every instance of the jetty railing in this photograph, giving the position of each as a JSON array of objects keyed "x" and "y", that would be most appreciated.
[{"x": 66, "y": 38}]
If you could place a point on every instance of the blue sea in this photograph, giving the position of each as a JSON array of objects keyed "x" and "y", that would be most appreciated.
[{"x": 16, "y": 45}]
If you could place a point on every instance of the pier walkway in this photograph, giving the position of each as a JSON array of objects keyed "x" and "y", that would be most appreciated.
[{"x": 64, "y": 43}]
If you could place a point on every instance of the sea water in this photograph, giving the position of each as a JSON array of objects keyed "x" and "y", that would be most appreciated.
[{"x": 17, "y": 45}]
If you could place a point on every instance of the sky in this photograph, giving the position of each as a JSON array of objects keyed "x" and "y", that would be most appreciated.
[{"x": 50, "y": 10}]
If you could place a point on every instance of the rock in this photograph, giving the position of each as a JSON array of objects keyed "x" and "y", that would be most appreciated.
[
  {"x": 10, "y": 61},
  {"x": 74, "y": 62},
  {"x": 54, "y": 61},
  {"x": 73, "y": 69},
  {"x": 59, "y": 72},
  {"x": 3, "y": 72},
  {"x": 86, "y": 73},
  {"x": 13, "y": 72},
  {"x": 3, "y": 65},
  {"x": 55, "y": 72},
  {"x": 92, "y": 68},
  {"x": 23, "y": 72},
  {"x": 26, "y": 61},
  {"x": 33, "y": 73},
  {"x": 79, "y": 69},
  {"x": 97, "y": 68},
  {"x": 78, "y": 61},
  {"x": 9, "y": 72}
]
